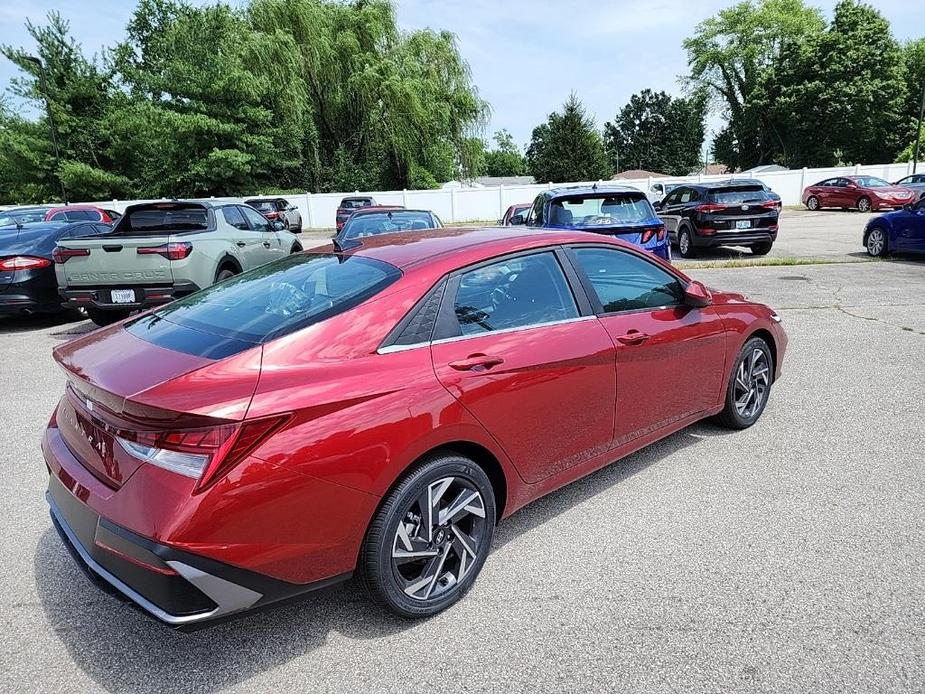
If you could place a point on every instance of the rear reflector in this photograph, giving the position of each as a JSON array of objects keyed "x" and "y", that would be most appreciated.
[
  {"x": 62, "y": 255},
  {"x": 23, "y": 262},
  {"x": 175, "y": 250},
  {"x": 205, "y": 454}
]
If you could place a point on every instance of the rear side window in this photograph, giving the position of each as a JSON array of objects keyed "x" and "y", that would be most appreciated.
[
  {"x": 513, "y": 293},
  {"x": 164, "y": 217},
  {"x": 624, "y": 282},
  {"x": 271, "y": 301},
  {"x": 740, "y": 194}
]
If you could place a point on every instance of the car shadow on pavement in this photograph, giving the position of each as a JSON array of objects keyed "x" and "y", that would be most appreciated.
[
  {"x": 122, "y": 649},
  {"x": 38, "y": 321}
]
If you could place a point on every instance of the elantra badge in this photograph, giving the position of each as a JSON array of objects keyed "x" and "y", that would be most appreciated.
[{"x": 89, "y": 405}]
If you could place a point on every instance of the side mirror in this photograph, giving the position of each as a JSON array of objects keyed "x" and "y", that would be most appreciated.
[
  {"x": 499, "y": 223},
  {"x": 852, "y": 186},
  {"x": 696, "y": 295},
  {"x": 278, "y": 225},
  {"x": 517, "y": 219},
  {"x": 657, "y": 205}
]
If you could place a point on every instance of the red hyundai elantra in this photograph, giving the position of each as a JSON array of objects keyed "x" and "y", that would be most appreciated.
[{"x": 377, "y": 410}]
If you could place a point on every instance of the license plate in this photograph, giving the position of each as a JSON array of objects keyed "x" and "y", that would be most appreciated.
[
  {"x": 123, "y": 296},
  {"x": 744, "y": 224}
]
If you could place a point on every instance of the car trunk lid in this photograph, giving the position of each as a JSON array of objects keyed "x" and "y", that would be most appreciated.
[{"x": 107, "y": 394}]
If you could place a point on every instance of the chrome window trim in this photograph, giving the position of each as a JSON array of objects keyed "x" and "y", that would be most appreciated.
[{"x": 457, "y": 338}]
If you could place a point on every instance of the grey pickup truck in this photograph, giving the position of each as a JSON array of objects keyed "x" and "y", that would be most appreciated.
[{"x": 160, "y": 251}]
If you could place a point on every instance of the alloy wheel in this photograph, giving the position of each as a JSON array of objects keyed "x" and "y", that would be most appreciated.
[
  {"x": 439, "y": 538},
  {"x": 684, "y": 243},
  {"x": 813, "y": 203},
  {"x": 864, "y": 205},
  {"x": 753, "y": 378},
  {"x": 875, "y": 242}
]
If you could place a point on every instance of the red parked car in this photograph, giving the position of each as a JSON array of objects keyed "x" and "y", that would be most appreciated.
[
  {"x": 79, "y": 213},
  {"x": 378, "y": 410},
  {"x": 520, "y": 208},
  {"x": 864, "y": 193}
]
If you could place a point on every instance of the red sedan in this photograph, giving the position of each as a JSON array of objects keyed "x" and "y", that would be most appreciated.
[
  {"x": 378, "y": 410},
  {"x": 79, "y": 213},
  {"x": 864, "y": 193}
]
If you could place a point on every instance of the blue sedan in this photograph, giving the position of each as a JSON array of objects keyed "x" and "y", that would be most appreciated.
[
  {"x": 901, "y": 231},
  {"x": 618, "y": 211}
]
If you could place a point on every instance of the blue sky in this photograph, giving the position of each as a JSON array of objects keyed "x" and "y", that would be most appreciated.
[{"x": 526, "y": 55}]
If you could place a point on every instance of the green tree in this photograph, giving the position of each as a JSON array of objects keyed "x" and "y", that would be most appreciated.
[
  {"x": 505, "y": 159},
  {"x": 657, "y": 132},
  {"x": 841, "y": 97},
  {"x": 729, "y": 55},
  {"x": 567, "y": 147},
  {"x": 78, "y": 92}
]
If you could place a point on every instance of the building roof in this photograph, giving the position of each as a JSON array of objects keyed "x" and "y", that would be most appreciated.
[{"x": 637, "y": 173}]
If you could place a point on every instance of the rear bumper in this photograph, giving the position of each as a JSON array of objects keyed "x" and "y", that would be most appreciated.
[
  {"x": 731, "y": 238},
  {"x": 146, "y": 296},
  {"x": 176, "y": 587},
  {"x": 33, "y": 294}
]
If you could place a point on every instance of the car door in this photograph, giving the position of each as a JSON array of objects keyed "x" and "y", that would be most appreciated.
[
  {"x": 670, "y": 358},
  {"x": 271, "y": 246},
  {"x": 910, "y": 229},
  {"x": 248, "y": 245},
  {"x": 528, "y": 360},
  {"x": 825, "y": 191},
  {"x": 670, "y": 211}
]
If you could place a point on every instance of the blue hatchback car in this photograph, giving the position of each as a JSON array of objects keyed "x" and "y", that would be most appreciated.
[
  {"x": 610, "y": 210},
  {"x": 901, "y": 231}
]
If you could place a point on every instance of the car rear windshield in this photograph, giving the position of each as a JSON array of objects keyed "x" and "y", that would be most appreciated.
[
  {"x": 386, "y": 223},
  {"x": 603, "y": 209},
  {"x": 355, "y": 203},
  {"x": 159, "y": 217},
  {"x": 739, "y": 194},
  {"x": 265, "y": 303},
  {"x": 262, "y": 205}
]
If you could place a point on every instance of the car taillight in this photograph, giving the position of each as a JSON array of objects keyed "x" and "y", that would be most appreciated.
[
  {"x": 202, "y": 454},
  {"x": 62, "y": 255},
  {"x": 710, "y": 207},
  {"x": 175, "y": 250},
  {"x": 771, "y": 204},
  {"x": 649, "y": 232},
  {"x": 23, "y": 262},
  {"x": 271, "y": 215}
]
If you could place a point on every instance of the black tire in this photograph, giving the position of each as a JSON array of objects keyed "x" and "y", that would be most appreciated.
[
  {"x": 296, "y": 248},
  {"x": 103, "y": 318},
  {"x": 761, "y": 248},
  {"x": 224, "y": 273},
  {"x": 734, "y": 416},
  {"x": 414, "y": 570},
  {"x": 812, "y": 203},
  {"x": 864, "y": 204},
  {"x": 686, "y": 244},
  {"x": 876, "y": 242}
]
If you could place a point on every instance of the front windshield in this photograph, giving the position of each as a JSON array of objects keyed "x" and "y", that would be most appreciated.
[
  {"x": 14, "y": 217},
  {"x": 871, "y": 182},
  {"x": 386, "y": 223},
  {"x": 600, "y": 210}
]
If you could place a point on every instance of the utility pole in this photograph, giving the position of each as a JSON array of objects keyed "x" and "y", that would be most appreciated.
[
  {"x": 43, "y": 85},
  {"x": 918, "y": 131}
]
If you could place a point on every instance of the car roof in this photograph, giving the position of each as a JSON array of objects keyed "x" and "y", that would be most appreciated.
[
  {"x": 454, "y": 247},
  {"x": 383, "y": 208},
  {"x": 569, "y": 191},
  {"x": 65, "y": 208}
]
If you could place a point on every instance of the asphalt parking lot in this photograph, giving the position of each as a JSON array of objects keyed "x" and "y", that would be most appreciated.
[{"x": 788, "y": 557}]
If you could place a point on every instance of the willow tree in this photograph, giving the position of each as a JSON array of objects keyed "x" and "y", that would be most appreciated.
[{"x": 390, "y": 108}]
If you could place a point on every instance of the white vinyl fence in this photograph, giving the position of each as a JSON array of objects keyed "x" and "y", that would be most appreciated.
[{"x": 484, "y": 204}]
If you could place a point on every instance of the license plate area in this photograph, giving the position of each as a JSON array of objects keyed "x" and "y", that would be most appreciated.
[
  {"x": 743, "y": 224},
  {"x": 122, "y": 296}
]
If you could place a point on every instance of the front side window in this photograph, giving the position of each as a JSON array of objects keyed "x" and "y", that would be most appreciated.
[
  {"x": 673, "y": 197},
  {"x": 624, "y": 282},
  {"x": 513, "y": 293}
]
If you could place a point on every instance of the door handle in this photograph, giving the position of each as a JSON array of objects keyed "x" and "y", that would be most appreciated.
[
  {"x": 266, "y": 244},
  {"x": 474, "y": 361},
  {"x": 633, "y": 337},
  {"x": 240, "y": 244}
]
